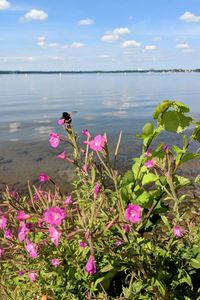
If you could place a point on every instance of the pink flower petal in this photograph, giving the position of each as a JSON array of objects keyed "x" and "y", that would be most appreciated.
[
  {"x": 133, "y": 213},
  {"x": 54, "y": 139}
]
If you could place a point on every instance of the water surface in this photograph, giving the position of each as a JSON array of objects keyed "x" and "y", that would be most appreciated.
[{"x": 31, "y": 104}]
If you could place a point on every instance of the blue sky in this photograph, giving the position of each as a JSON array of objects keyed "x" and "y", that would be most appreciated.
[{"x": 99, "y": 34}]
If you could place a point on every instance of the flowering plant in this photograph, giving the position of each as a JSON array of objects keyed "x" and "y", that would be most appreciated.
[{"x": 116, "y": 236}]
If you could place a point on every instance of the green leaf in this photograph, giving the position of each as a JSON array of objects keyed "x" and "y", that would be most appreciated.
[
  {"x": 189, "y": 156},
  {"x": 177, "y": 149},
  {"x": 148, "y": 178},
  {"x": 161, "y": 287},
  {"x": 106, "y": 268},
  {"x": 182, "y": 181},
  {"x": 161, "y": 108},
  {"x": 195, "y": 263},
  {"x": 128, "y": 178},
  {"x": 181, "y": 106},
  {"x": 148, "y": 129},
  {"x": 143, "y": 199},
  {"x": 196, "y": 133},
  {"x": 174, "y": 121},
  {"x": 197, "y": 179},
  {"x": 166, "y": 222},
  {"x": 93, "y": 175},
  {"x": 186, "y": 278}
]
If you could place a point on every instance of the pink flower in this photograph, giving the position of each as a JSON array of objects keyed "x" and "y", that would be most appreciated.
[
  {"x": 43, "y": 177},
  {"x": 3, "y": 222},
  {"x": 82, "y": 244},
  {"x": 31, "y": 249},
  {"x": 54, "y": 139},
  {"x": 149, "y": 164},
  {"x": 40, "y": 222},
  {"x": 126, "y": 228},
  {"x": 133, "y": 213},
  {"x": 55, "y": 262},
  {"x": 30, "y": 225},
  {"x": 54, "y": 235},
  {"x": 178, "y": 231},
  {"x": 86, "y": 169},
  {"x": 148, "y": 153},
  {"x": 90, "y": 267},
  {"x": 1, "y": 251},
  {"x": 62, "y": 155},
  {"x": 21, "y": 273},
  {"x": 97, "y": 189},
  {"x": 165, "y": 147},
  {"x": 13, "y": 194},
  {"x": 117, "y": 243},
  {"x": 61, "y": 121},
  {"x": 32, "y": 276},
  {"x": 8, "y": 234},
  {"x": 21, "y": 215},
  {"x": 54, "y": 216},
  {"x": 68, "y": 200},
  {"x": 97, "y": 143},
  {"x": 111, "y": 209},
  {"x": 22, "y": 232},
  {"x": 36, "y": 197},
  {"x": 86, "y": 133}
]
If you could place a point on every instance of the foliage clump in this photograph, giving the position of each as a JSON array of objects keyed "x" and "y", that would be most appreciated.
[{"x": 115, "y": 236}]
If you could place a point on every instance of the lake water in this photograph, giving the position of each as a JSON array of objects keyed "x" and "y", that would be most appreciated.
[{"x": 30, "y": 105}]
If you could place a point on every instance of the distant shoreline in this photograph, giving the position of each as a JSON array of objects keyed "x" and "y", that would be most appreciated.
[{"x": 103, "y": 72}]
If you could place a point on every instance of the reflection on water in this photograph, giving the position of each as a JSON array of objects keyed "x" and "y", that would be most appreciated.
[
  {"x": 13, "y": 127},
  {"x": 30, "y": 106}
]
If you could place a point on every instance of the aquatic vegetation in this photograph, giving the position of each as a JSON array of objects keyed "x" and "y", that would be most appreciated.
[{"x": 116, "y": 236}]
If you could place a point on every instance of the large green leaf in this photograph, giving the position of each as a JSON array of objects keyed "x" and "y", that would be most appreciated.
[
  {"x": 174, "y": 121},
  {"x": 181, "y": 106},
  {"x": 148, "y": 178},
  {"x": 161, "y": 108}
]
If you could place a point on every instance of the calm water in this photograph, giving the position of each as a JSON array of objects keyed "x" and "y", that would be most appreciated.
[{"x": 30, "y": 105}]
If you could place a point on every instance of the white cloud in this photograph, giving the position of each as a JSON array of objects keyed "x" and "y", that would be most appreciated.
[
  {"x": 150, "y": 48},
  {"x": 4, "y": 4},
  {"x": 156, "y": 39},
  {"x": 73, "y": 45},
  {"x": 188, "y": 50},
  {"x": 41, "y": 41},
  {"x": 130, "y": 44},
  {"x": 103, "y": 56},
  {"x": 114, "y": 35},
  {"x": 121, "y": 30},
  {"x": 65, "y": 46},
  {"x": 182, "y": 46},
  {"x": 109, "y": 37},
  {"x": 57, "y": 58},
  {"x": 34, "y": 15},
  {"x": 53, "y": 45},
  {"x": 19, "y": 58},
  {"x": 189, "y": 17},
  {"x": 77, "y": 45},
  {"x": 86, "y": 22},
  {"x": 29, "y": 58}
]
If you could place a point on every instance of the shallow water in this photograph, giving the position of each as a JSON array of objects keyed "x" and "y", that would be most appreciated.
[{"x": 31, "y": 105}]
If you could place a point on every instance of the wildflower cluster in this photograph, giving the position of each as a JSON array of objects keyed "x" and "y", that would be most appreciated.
[{"x": 115, "y": 236}]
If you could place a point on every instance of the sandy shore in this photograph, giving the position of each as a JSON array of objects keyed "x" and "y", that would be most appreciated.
[{"x": 20, "y": 162}]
